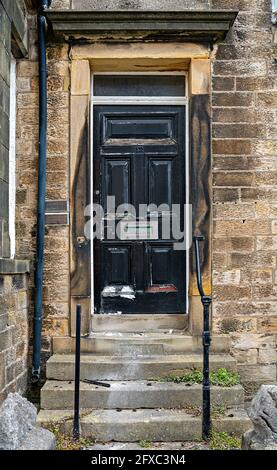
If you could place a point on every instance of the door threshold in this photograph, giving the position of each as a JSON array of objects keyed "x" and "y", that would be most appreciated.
[{"x": 138, "y": 322}]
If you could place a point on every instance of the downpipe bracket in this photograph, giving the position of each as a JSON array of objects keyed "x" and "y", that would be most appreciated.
[{"x": 35, "y": 376}]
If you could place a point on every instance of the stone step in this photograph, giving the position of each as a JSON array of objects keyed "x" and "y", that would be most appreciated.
[
  {"x": 157, "y": 446},
  {"x": 141, "y": 343},
  {"x": 57, "y": 395},
  {"x": 138, "y": 323},
  {"x": 149, "y": 425},
  {"x": 61, "y": 366}
]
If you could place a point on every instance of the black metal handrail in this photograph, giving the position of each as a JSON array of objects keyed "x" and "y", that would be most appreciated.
[{"x": 206, "y": 302}]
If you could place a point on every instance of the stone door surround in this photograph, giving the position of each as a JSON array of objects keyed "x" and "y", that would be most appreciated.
[{"x": 139, "y": 41}]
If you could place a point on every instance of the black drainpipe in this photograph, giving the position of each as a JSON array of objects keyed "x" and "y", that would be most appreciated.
[{"x": 43, "y": 5}]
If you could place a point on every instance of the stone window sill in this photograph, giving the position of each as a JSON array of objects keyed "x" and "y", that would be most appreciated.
[{"x": 14, "y": 266}]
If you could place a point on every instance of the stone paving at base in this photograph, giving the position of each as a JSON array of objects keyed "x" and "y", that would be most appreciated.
[{"x": 155, "y": 446}]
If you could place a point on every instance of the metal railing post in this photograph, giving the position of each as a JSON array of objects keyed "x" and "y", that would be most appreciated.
[
  {"x": 206, "y": 423},
  {"x": 76, "y": 422},
  {"x": 206, "y": 302}
]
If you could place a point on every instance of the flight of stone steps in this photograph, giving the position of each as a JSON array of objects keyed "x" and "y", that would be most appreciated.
[{"x": 133, "y": 354}]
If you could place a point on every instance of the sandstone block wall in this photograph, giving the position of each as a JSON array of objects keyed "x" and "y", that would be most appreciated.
[
  {"x": 13, "y": 334},
  {"x": 244, "y": 99},
  {"x": 56, "y": 283},
  {"x": 245, "y": 197},
  {"x": 13, "y": 273}
]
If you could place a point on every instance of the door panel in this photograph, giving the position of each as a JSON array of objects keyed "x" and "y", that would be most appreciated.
[
  {"x": 139, "y": 158},
  {"x": 117, "y": 181},
  {"x": 137, "y": 127},
  {"x": 117, "y": 265},
  {"x": 160, "y": 266},
  {"x": 160, "y": 182}
]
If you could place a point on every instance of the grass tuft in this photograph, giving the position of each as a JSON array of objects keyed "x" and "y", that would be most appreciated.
[
  {"x": 224, "y": 441},
  {"x": 222, "y": 378},
  {"x": 63, "y": 440},
  {"x": 218, "y": 411},
  {"x": 145, "y": 444}
]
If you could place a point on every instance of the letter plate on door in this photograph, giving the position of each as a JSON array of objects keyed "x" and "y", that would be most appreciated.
[{"x": 131, "y": 230}]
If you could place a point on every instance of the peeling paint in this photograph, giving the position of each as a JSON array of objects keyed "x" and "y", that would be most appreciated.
[{"x": 125, "y": 292}]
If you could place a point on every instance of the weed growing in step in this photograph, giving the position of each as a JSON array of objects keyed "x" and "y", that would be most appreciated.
[
  {"x": 222, "y": 378},
  {"x": 224, "y": 441},
  {"x": 218, "y": 411},
  {"x": 193, "y": 410},
  {"x": 190, "y": 378},
  {"x": 63, "y": 440},
  {"x": 145, "y": 444}
]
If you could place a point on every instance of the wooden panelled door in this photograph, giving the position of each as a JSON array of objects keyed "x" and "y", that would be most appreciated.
[{"x": 139, "y": 158}]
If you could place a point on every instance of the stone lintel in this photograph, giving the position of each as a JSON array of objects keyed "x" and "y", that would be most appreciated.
[{"x": 199, "y": 26}]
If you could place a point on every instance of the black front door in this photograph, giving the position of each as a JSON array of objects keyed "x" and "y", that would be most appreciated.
[{"x": 139, "y": 158}]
